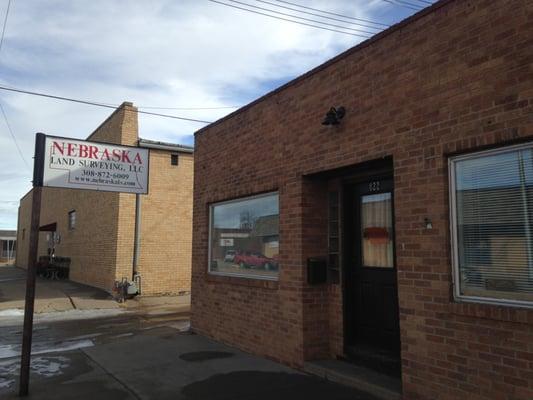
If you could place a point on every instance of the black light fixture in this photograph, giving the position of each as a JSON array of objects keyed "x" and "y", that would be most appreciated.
[{"x": 334, "y": 116}]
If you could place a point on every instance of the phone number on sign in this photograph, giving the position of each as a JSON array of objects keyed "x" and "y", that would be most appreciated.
[{"x": 104, "y": 174}]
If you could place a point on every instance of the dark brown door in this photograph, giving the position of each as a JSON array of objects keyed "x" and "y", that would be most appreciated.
[{"x": 371, "y": 291}]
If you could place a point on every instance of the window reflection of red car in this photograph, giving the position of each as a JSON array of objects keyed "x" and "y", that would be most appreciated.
[{"x": 255, "y": 260}]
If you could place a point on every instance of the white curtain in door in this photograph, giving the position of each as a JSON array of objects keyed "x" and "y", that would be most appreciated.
[{"x": 376, "y": 225}]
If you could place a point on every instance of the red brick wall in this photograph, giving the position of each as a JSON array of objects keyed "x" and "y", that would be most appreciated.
[{"x": 454, "y": 80}]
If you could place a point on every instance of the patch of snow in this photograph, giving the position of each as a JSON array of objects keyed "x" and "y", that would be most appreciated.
[
  {"x": 44, "y": 366},
  {"x": 12, "y": 312},
  {"x": 66, "y": 346},
  {"x": 182, "y": 326},
  {"x": 6, "y": 382},
  {"x": 88, "y": 336},
  {"x": 8, "y": 372},
  {"x": 122, "y": 335},
  {"x": 10, "y": 350},
  {"x": 49, "y": 366}
]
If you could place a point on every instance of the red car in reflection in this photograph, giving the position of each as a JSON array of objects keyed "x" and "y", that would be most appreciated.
[{"x": 255, "y": 260}]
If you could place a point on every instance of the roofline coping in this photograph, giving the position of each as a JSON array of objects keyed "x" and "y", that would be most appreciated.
[
  {"x": 152, "y": 144},
  {"x": 407, "y": 21},
  {"x": 27, "y": 193}
]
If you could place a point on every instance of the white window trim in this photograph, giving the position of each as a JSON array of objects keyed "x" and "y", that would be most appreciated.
[
  {"x": 229, "y": 274},
  {"x": 456, "y": 279}
]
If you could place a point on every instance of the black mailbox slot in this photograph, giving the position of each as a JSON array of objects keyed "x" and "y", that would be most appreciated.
[{"x": 317, "y": 271}]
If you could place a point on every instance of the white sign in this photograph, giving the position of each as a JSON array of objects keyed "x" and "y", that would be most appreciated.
[
  {"x": 226, "y": 242},
  {"x": 234, "y": 235},
  {"x": 77, "y": 164}
]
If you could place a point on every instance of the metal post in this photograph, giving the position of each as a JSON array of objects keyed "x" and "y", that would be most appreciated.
[
  {"x": 13, "y": 249},
  {"x": 10, "y": 251},
  {"x": 25, "y": 358}
]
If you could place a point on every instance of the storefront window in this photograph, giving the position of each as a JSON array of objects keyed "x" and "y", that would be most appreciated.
[
  {"x": 492, "y": 215},
  {"x": 244, "y": 237}
]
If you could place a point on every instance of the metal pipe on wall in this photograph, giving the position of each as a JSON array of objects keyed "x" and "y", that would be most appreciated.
[{"x": 137, "y": 236}]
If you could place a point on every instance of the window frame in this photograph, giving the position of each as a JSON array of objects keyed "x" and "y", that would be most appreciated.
[
  {"x": 209, "y": 242},
  {"x": 456, "y": 273},
  {"x": 174, "y": 156},
  {"x": 70, "y": 226}
]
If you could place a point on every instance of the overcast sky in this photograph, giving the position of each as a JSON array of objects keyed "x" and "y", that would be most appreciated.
[{"x": 175, "y": 53}]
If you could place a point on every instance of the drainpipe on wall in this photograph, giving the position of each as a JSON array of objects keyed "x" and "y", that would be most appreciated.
[
  {"x": 12, "y": 253},
  {"x": 10, "y": 247},
  {"x": 136, "y": 277}
]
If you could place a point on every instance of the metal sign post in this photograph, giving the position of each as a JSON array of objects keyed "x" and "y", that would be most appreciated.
[{"x": 32, "y": 265}]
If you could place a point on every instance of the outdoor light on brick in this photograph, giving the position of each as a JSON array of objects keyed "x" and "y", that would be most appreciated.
[{"x": 334, "y": 116}]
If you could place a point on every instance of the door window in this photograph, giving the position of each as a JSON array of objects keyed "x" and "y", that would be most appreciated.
[{"x": 376, "y": 226}]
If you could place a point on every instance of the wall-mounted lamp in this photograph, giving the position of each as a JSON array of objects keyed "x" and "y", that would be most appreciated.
[
  {"x": 428, "y": 223},
  {"x": 334, "y": 116}
]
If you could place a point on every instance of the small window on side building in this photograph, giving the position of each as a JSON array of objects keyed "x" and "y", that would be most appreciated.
[
  {"x": 72, "y": 220},
  {"x": 173, "y": 159},
  {"x": 492, "y": 226}
]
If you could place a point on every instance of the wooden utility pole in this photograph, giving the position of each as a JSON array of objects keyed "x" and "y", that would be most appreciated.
[{"x": 27, "y": 332}]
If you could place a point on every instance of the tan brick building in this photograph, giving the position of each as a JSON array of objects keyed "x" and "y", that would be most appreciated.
[
  {"x": 403, "y": 239},
  {"x": 99, "y": 238}
]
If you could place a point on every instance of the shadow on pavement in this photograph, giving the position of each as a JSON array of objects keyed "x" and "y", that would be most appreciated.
[{"x": 259, "y": 385}]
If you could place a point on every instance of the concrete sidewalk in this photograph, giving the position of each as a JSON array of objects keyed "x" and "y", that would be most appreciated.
[
  {"x": 144, "y": 351},
  {"x": 164, "y": 364},
  {"x": 65, "y": 295},
  {"x": 50, "y": 296}
]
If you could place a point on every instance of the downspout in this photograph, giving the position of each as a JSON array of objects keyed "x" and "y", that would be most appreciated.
[
  {"x": 12, "y": 250},
  {"x": 136, "y": 277}
]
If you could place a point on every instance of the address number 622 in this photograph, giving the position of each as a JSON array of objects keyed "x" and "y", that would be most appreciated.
[{"x": 374, "y": 186}]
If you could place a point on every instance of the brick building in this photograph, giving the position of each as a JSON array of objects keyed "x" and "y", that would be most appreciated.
[
  {"x": 403, "y": 241},
  {"x": 96, "y": 229}
]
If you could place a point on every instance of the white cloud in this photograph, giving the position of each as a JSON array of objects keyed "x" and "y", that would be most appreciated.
[{"x": 158, "y": 53}]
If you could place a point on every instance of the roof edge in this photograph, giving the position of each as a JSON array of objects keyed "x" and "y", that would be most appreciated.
[
  {"x": 122, "y": 106},
  {"x": 153, "y": 144},
  {"x": 415, "y": 17},
  {"x": 27, "y": 194}
]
